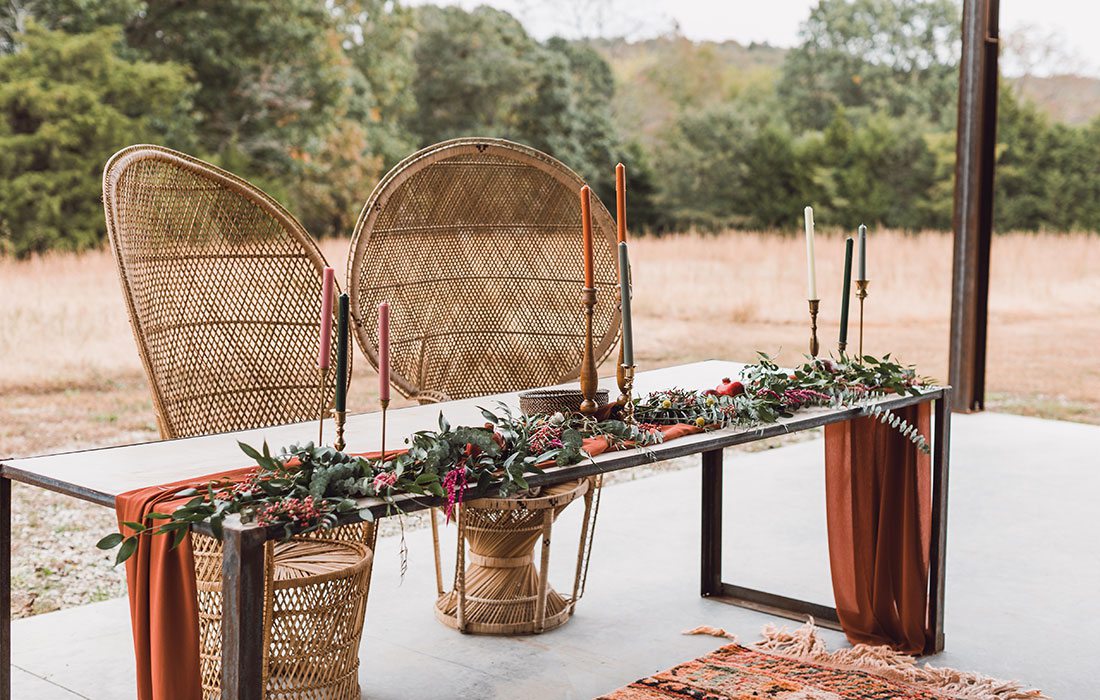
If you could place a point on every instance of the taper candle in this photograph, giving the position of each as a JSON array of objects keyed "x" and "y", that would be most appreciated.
[
  {"x": 384, "y": 351},
  {"x": 624, "y": 292},
  {"x": 341, "y": 353},
  {"x": 862, "y": 253},
  {"x": 847, "y": 293},
  {"x": 811, "y": 265},
  {"x": 586, "y": 229},
  {"x": 328, "y": 281},
  {"x": 620, "y": 200}
]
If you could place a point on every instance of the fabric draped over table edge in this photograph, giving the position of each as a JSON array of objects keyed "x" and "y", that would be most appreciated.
[{"x": 879, "y": 504}]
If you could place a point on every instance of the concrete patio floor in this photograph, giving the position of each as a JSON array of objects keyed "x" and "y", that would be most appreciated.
[{"x": 1023, "y": 582}]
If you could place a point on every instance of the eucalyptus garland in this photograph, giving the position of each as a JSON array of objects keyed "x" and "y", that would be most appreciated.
[
  {"x": 307, "y": 487},
  {"x": 768, "y": 392}
]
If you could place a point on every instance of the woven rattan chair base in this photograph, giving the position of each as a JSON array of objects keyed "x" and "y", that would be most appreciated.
[
  {"x": 315, "y": 599},
  {"x": 502, "y": 591}
]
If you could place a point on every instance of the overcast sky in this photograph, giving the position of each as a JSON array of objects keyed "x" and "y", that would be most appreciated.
[{"x": 1068, "y": 25}]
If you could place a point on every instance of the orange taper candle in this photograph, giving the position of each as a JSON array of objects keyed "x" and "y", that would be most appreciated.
[
  {"x": 586, "y": 227},
  {"x": 620, "y": 200}
]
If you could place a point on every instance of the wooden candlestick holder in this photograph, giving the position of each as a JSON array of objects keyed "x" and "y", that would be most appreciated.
[
  {"x": 815, "y": 305},
  {"x": 589, "y": 379},
  {"x": 861, "y": 294}
]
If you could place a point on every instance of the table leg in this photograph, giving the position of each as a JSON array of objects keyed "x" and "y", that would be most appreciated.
[
  {"x": 941, "y": 445},
  {"x": 710, "y": 579},
  {"x": 5, "y": 588},
  {"x": 242, "y": 612},
  {"x": 711, "y": 584}
]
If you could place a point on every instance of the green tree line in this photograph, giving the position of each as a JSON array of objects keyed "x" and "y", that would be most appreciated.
[{"x": 314, "y": 99}]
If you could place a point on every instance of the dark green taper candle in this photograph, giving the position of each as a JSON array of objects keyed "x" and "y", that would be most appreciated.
[
  {"x": 847, "y": 292},
  {"x": 342, "y": 353}
]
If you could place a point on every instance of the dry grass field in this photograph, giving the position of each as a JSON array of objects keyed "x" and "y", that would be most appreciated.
[{"x": 70, "y": 376}]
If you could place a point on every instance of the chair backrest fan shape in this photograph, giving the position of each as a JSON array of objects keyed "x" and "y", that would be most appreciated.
[
  {"x": 476, "y": 243},
  {"x": 223, "y": 287}
]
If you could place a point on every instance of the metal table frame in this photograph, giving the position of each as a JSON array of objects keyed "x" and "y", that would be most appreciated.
[{"x": 243, "y": 563}]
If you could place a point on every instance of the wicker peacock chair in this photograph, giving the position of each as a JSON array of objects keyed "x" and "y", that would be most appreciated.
[
  {"x": 476, "y": 244},
  {"x": 223, "y": 289}
]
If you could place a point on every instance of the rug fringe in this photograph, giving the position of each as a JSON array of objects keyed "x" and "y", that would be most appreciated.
[
  {"x": 805, "y": 644},
  {"x": 712, "y": 632}
]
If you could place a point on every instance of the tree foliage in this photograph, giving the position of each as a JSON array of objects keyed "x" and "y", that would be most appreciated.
[
  {"x": 314, "y": 99},
  {"x": 896, "y": 56},
  {"x": 67, "y": 102}
]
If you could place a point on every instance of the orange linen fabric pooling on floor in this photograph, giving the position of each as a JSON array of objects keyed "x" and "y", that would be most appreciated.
[
  {"x": 164, "y": 607},
  {"x": 878, "y": 499}
]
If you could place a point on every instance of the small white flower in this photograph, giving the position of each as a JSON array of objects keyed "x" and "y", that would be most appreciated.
[{"x": 557, "y": 419}]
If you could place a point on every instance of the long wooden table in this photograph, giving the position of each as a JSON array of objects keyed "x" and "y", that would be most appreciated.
[{"x": 102, "y": 474}]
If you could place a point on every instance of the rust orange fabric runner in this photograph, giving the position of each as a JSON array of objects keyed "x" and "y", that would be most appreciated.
[
  {"x": 164, "y": 607},
  {"x": 878, "y": 498}
]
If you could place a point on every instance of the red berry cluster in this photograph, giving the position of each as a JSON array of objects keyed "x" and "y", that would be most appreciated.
[
  {"x": 299, "y": 511},
  {"x": 545, "y": 438}
]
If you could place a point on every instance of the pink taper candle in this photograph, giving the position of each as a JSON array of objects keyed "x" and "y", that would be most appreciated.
[
  {"x": 328, "y": 281},
  {"x": 384, "y": 351}
]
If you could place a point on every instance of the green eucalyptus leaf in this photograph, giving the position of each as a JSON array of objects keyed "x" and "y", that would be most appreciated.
[
  {"x": 129, "y": 546},
  {"x": 110, "y": 541}
]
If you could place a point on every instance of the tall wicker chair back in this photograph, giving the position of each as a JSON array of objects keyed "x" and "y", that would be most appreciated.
[
  {"x": 476, "y": 244},
  {"x": 223, "y": 288}
]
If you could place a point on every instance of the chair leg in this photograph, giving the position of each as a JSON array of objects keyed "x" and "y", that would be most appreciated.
[
  {"x": 544, "y": 573},
  {"x": 435, "y": 543},
  {"x": 460, "y": 569},
  {"x": 582, "y": 548}
]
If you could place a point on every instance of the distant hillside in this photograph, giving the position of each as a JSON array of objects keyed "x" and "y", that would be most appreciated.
[
  {"x": 1072, "y": 99},
  {"x": 657, "y": 78}
]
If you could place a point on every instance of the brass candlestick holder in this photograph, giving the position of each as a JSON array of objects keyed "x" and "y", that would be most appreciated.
[
  {"x": 589, "y": 379},
  {"x": 323, "y": 411},
  {"x": 620, "y": 369},
  {"x": 861, "y": 294},
  {"x": 626, "y": 386},
  {"x": 339, "y": 417},
  {"x": 385, "y": 405},
  {"x": 815, "y": 305}
]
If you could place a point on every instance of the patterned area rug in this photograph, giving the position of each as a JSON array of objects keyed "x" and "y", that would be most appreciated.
[{"x": 797, "y": 666}]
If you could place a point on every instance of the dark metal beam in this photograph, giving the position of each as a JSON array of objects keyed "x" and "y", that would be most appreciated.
[{"x": 973, "y": 216}]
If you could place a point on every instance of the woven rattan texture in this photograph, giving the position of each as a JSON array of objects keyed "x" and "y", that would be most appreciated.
[
  {"x": 501, "y": 581},
  {"x": 552, "y": 401},
  {"x": 476, "y": 244},
  {"x": 224, "y": 293},
  {"x": 315, "y": 598}
]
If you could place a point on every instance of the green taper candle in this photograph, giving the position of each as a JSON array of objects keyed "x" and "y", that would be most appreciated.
[
  {"x": 624, "y": 292},
  {"x": 342, "y": 353},
  {"x": 847, "y": 292}
]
